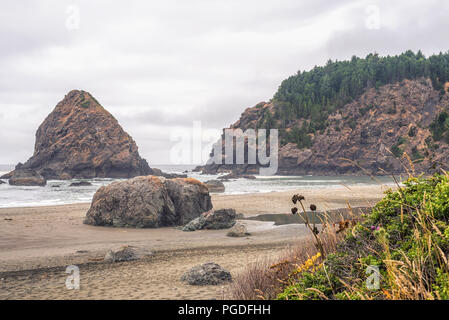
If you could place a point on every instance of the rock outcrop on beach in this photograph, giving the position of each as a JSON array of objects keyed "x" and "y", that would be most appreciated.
[
  {"x": 149, "y": 202},
  {"x": 212, "y": 220},
  {"x": 27, "y": 177},
  {"x": 81, "y": 139},
  {"x": 215, "y": 186},
  {"x": 207, "y": 274}
]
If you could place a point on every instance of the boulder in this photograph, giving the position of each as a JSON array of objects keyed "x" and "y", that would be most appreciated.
[
  {"x": 27, "y": 177},
  {"x": 149, "y": 202},
  {"x": 2, "y": 182},
  {"x": 238, "y": 230},
  {"x": 215, "y": 186},
  {"x": 124, "y": 253},
  {"x": 218, "y": 219},
  {"x": 80, "y": 184},
  {"x": 207, "y": 274}
]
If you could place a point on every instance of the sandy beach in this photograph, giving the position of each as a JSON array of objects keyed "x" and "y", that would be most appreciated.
[{"x": 38, "y": 243}]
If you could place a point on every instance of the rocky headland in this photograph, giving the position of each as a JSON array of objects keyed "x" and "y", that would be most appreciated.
[
  {"x": 368, "y": 135},
  {"x": 374, "y": 115}
]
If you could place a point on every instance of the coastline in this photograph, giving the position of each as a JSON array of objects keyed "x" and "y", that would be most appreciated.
[{"x": 39, "y": 242}]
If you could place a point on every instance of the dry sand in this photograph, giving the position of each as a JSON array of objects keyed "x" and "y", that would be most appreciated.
[{"x": 36, "y": 245}]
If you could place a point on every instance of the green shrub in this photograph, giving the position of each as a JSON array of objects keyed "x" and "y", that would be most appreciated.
[
  {"x": 440, "y": 127},
  {"x": 397, "y": 152},
  {"x": 416, "y": 155},
  {"x": 406, "y": 235},
  {"x": 412, "y": 132}
]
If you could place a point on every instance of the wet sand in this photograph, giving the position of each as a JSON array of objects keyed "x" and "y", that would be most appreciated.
[{"x": 37, "y": 244}]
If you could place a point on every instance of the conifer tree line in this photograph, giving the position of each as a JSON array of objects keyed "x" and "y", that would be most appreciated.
[{"x": 314, "y": 95}]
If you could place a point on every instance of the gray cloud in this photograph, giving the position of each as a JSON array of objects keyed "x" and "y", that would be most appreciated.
[{"x": 160, "y": 65}]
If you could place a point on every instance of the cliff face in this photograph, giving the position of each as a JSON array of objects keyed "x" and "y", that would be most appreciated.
[
  {"x": 368, "y": 135},
  {"x": 80, "y": 139}
]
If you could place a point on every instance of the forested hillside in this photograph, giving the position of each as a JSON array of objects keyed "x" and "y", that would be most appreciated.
[
  {"x": 367, "y": 110},
  {"x": 315, "y": 94}
]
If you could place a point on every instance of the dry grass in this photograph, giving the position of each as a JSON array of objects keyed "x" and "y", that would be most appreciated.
[
  {"x": 412, "y": 278},
  {"x": 265, "y": 279}
]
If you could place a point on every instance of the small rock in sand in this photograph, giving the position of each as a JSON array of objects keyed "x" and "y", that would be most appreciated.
[
  {"x": 207, "y": 274},
  {"x": 238, "y": 230},
  {"x": 124, "y": 253},
  {"x": 213, "y": 220}
]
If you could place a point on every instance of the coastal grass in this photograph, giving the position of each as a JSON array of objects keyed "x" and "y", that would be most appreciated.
[
  {"x": 267, "y": 278},
  {"x": 397, "y": 251}
]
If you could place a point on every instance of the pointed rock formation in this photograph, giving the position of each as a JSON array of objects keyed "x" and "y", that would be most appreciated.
[{"x": 80, "y": 139}]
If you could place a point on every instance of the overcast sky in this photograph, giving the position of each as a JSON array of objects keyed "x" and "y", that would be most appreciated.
[{"x": 157, "y": 66}]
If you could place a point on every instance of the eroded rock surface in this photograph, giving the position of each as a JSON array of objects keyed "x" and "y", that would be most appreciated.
[
  {"x": 124, "y": 253},
  {"x": 149, "y": 202},
  {"x": 238, "y": 230}
]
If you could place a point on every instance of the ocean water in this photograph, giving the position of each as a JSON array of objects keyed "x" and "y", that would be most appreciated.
[{"x": 58, "y": 192}]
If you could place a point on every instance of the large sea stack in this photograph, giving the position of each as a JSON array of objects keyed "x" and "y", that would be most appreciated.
[{"x": 81, "y": 139}]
